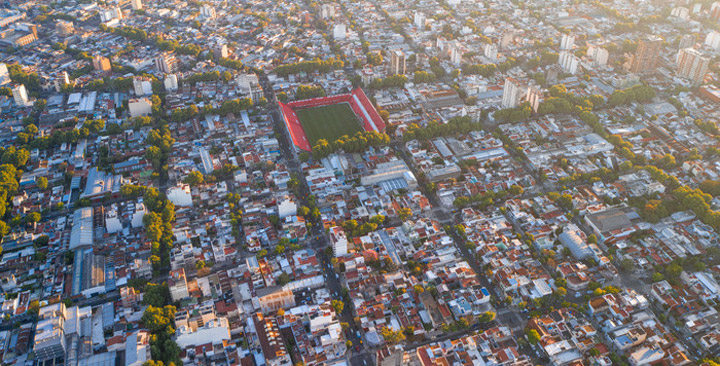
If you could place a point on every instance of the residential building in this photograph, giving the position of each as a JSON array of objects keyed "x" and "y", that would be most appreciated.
[
  {"x": 171, "y": 82},
  {"x": 598, "y": 54},
  {"x": 647, "y": 55},
  {"x": 692, "y": 64},
  {"x": 272, "y": 300},
  {"x": 511, "y": 93},
  {"x": 180, "y": 195},
  {"x": 327, "y": 11},
  {"x": 64, "y": 28},
  {"x": 140, "y": 107},
  {"x": 177, "y": 283},
  {"x": 567, "y": 42},
  {"x": 20, "y": 95},
  {"x": 339, "y": 32},
  {"x": 271, "y": 341},
  {"x": 397, "y": 62},
  {"x": 569, "y": 62},
  {"x": 712, "y": 40},
  {"x": 419, "y": 20},
  {"x": 165, "y": 63},
  {"x": 687, "y": 41},
  {"x": 339, "y": 241}
]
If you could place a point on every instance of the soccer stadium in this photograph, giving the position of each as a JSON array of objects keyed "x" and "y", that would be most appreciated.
[{"x": 329, "y": 118}]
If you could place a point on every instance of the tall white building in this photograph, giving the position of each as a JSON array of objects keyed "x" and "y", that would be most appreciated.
[
  {"x": 138, "y": 215},
  {"x": 491, "y": 51},
  {"x": 20, "y": 95},
  {"x": 712, "y": 40},
  {"x": 419, "y": 20},
  {"x": 249, "y": 85},
  {"x": 327, "y": 11},
  {"x": 208, "y": 11},
  {"x": 680, "y": 12},
  {"x": 456, "y": 55},
  {"x": 692, "y": 64},
  {"x": 108, "y": 15},
  {"x": 171, "y": 82},
  {"x": 286, "y": 207},
  {"x": 511, "y": 93},
  {"x": 568, "y": 62},
  {"x": 339, "y": 241},
  {"x": 599, "y": 55},
  {"x": 4, "y": 75},
  {"x": 339, "y": 32},
  {"x": 165, "y": 62},
  {"x": 112, "y": 220},
  {"x": 141, "y": 86},
  {"x": 136, "y": 4},
  {"x": 177, "y": 283},
  {"x": 567, "y": 42},
  {"x": 533, "y": 96}
]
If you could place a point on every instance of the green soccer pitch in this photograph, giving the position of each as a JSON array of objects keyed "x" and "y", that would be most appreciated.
[{"x": 328, "y": 122}]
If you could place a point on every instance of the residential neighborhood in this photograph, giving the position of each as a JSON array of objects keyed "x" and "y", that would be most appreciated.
[{"x": 378, "y": 182}]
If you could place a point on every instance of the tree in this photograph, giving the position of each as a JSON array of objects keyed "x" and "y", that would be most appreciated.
[
  {"x": 532, "y": 335},
  {"x": 42, "y": 183},
  {"x": 516, "y": 190},
  {"x": 34, "y": 307},
  {"x": 338, "y": 305},
  {"x": 41, "y": 241},
  {"x": 156, "y": 295},
  {"x": 392, "y": 336},
  {"x": 194, "y": 179},
  {"x": 309, "y": 91},
  {"x": 33, "y": 217},
  {"x": 657, "y": 277},
  {"x": 279, "y": 249},
  {"x": 404, "y": 213},
  {"x": 283, "y": 279},
  {"x": 377, "y": 219},
  {"x": 561, "y": 291},
  {"x": 159, "y": 321},
  {"x": 628, "y": 264},
  {"x": 673, "y": 270},
  {"x": 486, "y": 317}
]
